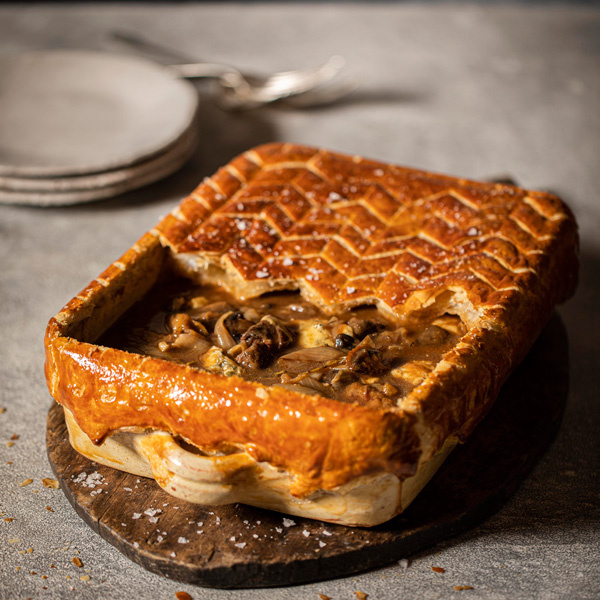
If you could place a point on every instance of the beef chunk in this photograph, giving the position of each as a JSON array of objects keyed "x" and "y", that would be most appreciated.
[
  {"x": 270, "y": 332},
  {"x": 263, "y": 340},
  {"x": 256, "y": 356},
  {"x": 366, "y": 361},
  {"x": 237, "y": 325}
]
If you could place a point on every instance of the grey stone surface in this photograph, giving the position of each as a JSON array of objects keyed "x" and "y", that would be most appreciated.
[{"x": 471, "y": 90}]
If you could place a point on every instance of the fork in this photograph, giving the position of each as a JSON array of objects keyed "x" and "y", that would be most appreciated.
[
  {"x": 248, "y": 91},
  {"x": 239, "y": 90}
]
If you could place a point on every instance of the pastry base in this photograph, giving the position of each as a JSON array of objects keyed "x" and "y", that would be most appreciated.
[{"x": 226, "y": 479}]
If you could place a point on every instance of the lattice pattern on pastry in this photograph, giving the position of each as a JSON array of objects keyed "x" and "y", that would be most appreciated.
[{"x": 356, "y": 230}]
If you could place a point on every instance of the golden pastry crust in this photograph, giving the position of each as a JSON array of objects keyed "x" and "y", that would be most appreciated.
[{"x": 345, "y": 231}]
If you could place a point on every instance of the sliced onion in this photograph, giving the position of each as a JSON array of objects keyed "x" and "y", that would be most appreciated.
[
  {"x": 322, "y": 354},
  {"x": 187, "y": 346},
  {"x": 305, "y": 359},
  {"x": 224, "y": 338},
  {"x": 197, "y": 342},
  {"x": 312, "y": 383}
]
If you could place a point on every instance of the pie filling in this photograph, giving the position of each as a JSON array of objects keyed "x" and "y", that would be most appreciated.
[{"x": 358, "y": 356}]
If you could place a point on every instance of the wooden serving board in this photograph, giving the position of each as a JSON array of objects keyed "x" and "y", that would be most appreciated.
[{"x": 239, "y": 546}]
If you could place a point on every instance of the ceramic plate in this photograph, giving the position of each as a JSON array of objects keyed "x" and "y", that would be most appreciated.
[
  {"x": 105, "y": 185},
  {"x": 104, "y": 179},
  {"x": 67, "y": 112}
]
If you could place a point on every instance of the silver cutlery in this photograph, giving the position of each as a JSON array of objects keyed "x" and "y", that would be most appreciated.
[{"x": 238, "y": 91}]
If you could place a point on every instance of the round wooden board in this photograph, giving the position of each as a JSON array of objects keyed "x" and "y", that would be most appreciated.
[{"x": 240, "y": 546}]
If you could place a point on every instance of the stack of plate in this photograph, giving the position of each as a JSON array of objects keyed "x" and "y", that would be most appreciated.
[{"x": 77, "y": 126}]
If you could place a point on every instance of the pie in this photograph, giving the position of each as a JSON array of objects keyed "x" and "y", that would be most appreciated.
[{"x": 310, "y": 332}]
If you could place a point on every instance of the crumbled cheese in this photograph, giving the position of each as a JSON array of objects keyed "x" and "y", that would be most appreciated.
[
  {"x": 313, "y": 333},
  {"x": 216, "y": 361}
]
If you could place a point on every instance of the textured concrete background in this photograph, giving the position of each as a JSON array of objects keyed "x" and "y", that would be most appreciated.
[{"x": 476, "y": 91}]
